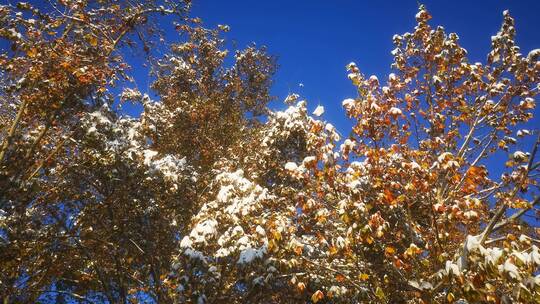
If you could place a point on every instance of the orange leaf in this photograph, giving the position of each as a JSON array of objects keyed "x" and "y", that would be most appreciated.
[
  {"x": 389, "y": 250},
  {"x": 301, "y": 286},
  {"x": 317, "y": 296},
  {"x": 388, "y": 196},
  {"x": 369, "y": 240},
  {"x": 298, "y": 250}
]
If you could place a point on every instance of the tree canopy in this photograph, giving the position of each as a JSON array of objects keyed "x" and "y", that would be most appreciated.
[{"x": 209, "y": 196}]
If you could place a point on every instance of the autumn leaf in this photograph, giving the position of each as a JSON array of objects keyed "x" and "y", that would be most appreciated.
[
  {"x": 379, "y": 293},
  {"x": 363, "y": 276},
  {"x": 32, "y": 52},
  {"x": 389, "y": 250},
  {"x": 298, "y": 250},
  {"x": 369, "y": 239},
  {"x": 317, "y": 296},
  {"x": 92, "y": 40}
]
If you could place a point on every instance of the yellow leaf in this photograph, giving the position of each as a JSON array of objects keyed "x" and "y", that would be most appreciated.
[
  {"x": 379, "y": 293},
  {"x": 450, "y": 297},
  {"x": 369, "y": 240},
  {"x": 400, "y": 199},
  {"x": 389, "y": 250},
  {"x": 277, "y": 235},
  {"x": 412, "y": 250},
  {"x": 317, "y": 296},
  {"x": 32, "y": 52},
  {"x": 272, "y": 245},
  {"x": 491, "y": 298},
  {"x": 56, "y": 23},
  {"x": 363, "y": 276},
  {"x": 92, "y": 40},
  {"x": 80, "y": 16}
]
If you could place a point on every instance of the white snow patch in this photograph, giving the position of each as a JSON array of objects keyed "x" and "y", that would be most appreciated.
[
  {"x": 291, "y": 166},
  {"x": 318, "y": 111},
  {"x": 249, "y": 254},
  {"x": 394, "y": 111}
]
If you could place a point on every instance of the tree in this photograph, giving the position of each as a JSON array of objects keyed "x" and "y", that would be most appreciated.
[
  {"x": 93, "y": 201},
  {"x": 210, "y": 197},
  {"x": 407, "y": 210}
]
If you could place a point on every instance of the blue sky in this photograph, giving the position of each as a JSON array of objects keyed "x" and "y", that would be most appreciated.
[{"x": 314, "y": 40}]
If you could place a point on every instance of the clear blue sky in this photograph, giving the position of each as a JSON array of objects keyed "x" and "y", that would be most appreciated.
[{"x": 314, "y": 40}]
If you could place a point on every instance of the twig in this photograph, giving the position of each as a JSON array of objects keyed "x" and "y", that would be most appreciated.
[{"x": 12, "y": 129}]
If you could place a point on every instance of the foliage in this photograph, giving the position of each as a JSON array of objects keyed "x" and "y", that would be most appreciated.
[{"x": 210, "y": 197}]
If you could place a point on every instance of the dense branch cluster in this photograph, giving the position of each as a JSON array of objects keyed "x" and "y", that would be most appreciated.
[{"x": 208, "y": 196}]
